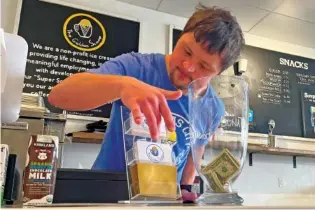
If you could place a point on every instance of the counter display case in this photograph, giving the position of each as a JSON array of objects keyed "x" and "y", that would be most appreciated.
[{"x": 150, "y": 164}]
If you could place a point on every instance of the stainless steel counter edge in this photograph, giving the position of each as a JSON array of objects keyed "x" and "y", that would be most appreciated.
[
  {"x": 120, "y": 206},
  {"x": 253, "y": 201}
]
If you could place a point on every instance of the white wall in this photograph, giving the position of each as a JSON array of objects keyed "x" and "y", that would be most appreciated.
[
  {"x": 269, "y": 173},
  {"x": 8, "y": 11}
]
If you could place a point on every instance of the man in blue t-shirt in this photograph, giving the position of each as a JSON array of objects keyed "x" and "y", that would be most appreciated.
[{"x": 155, "y": 85}]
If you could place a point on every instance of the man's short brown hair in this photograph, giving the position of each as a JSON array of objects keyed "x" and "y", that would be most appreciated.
[{"x": 220, "y": 29}]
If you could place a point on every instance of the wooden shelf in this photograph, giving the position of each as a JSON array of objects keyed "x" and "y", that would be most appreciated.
[
  {"x": 279, "y": 151},
  {"x": 256, "y": 148},
  {"x": 85, "y": 137},
  {"x": 263, "y": 149}
]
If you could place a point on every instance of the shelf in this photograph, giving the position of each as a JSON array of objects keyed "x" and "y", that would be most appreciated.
[
  {"x": 279, "y": 151},
  {"x": 85, "y": 137},
  {"x": 256, "y": 148},
  {"x": 262, "y": 149}
]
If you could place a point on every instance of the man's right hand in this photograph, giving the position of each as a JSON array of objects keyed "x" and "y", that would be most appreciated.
[{"x": 140, "y": 98}]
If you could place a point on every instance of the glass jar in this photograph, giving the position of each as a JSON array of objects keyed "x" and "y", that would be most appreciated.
[{"x": 218, "y": 115}]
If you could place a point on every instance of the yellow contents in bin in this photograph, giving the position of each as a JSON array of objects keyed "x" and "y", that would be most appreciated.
[{"x": 153, "y": 180}]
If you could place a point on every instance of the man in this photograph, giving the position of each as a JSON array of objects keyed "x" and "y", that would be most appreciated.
[{"x": 156, "y": 85}]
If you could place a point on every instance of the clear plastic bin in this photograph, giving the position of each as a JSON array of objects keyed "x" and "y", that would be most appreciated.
[{"x": 150, "y": 165}]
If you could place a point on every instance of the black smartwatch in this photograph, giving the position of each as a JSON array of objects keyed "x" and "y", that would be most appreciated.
[{"x": 186, "y": 187}]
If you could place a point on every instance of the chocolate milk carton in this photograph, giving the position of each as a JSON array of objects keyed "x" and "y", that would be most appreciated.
[
  {"x": 3, "y": 166},
  {"x": 40, "y": 170}
]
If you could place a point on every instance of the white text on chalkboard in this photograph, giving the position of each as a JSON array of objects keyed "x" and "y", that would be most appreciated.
[
  {"x": 292, "y": 63},
  {"x": 50, "y": 65},
  {"x": 309, "y": 96}
]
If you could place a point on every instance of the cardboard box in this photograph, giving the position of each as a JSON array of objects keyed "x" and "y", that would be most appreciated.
[
  {"x": 3, "y": 165},
  {"x": 40, "y": 170}
]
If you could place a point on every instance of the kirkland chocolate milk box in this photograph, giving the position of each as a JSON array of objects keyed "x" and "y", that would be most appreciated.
[
  {"x": 3, "y": 171},
  {"x": 40, "y": 170}
]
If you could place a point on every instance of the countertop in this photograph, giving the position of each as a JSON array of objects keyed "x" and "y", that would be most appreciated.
[{"x": 254, "y": 201}]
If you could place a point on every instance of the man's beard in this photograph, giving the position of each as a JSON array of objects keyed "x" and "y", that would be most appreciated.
[{"x": 182, "y": 87}]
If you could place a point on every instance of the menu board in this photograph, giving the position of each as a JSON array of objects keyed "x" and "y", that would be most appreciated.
[
  {"x": 308, "y": 112},
  {"x": 281, "y": 88},
  {"x": 63, "y": 41},
  {"x": 176, "y": 35},
  {"x": 275, "y": 83}
]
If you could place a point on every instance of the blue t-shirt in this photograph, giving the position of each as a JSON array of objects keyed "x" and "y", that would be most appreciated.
[{"x": 151, "y": 69}]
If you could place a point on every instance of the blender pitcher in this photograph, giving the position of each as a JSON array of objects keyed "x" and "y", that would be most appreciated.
[{"x": 225, "y": 131}]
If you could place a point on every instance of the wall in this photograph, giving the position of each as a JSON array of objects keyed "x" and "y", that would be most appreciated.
[
  {"x": 8, "y": 11},
  {"x": 275, "y": 174},
  {"x": 269, "y": 173}
]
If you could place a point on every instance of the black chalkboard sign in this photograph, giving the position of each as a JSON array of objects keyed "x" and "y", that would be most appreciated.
[
  {"x": 275, "y": 83},
  {"x": 64, "y": 40},
  {"x": 308, "y": 112},
  {"x": 176, "y": 35}
]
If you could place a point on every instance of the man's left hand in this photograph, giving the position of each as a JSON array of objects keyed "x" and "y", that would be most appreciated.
[{"x": 188, "y": 196}]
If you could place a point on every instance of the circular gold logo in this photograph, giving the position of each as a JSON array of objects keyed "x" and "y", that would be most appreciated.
[{"x": 84, "y": 32}]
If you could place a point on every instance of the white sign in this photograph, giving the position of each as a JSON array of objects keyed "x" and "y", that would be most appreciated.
[{"x": 146, "y": 151}]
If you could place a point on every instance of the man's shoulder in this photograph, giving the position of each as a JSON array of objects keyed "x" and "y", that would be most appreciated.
[
  {"x": 133, "y": 64},
  {"x": 218, "y": 103},
  {"x": 145, "y": 65},
  {"x": 138, "y": 57}
]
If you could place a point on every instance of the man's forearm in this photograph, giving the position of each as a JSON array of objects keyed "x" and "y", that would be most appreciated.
[
  {"x": 85, "y": 91},
  {"x": 189, "y": 172}
]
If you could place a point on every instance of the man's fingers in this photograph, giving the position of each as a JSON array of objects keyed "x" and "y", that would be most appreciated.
[
  {"x": 136, "y": 113},
  {"x": 151, "y": 120},
  {"x": 167, "y": 115},
  {"x": 154, "y": 102},
  {"x": 171, "y": 95},
  {"x": 188, "y": 196}
]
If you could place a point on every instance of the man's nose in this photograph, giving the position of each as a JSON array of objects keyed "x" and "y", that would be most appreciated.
[{"x": 189, "y": 67}]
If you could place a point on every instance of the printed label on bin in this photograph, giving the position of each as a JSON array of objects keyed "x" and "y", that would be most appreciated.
[{"x": 153, "y": 152}]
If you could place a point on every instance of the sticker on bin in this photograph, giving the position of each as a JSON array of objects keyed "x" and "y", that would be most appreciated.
[{"x": 153, "y": 152}]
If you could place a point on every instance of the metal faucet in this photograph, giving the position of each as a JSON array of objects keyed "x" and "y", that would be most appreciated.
[{"x": 271, "y": 137}]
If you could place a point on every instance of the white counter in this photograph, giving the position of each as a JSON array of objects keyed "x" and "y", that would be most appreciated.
[
  {"x": 283, "y": 201},
  {"x": 255, "y": 201}
]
